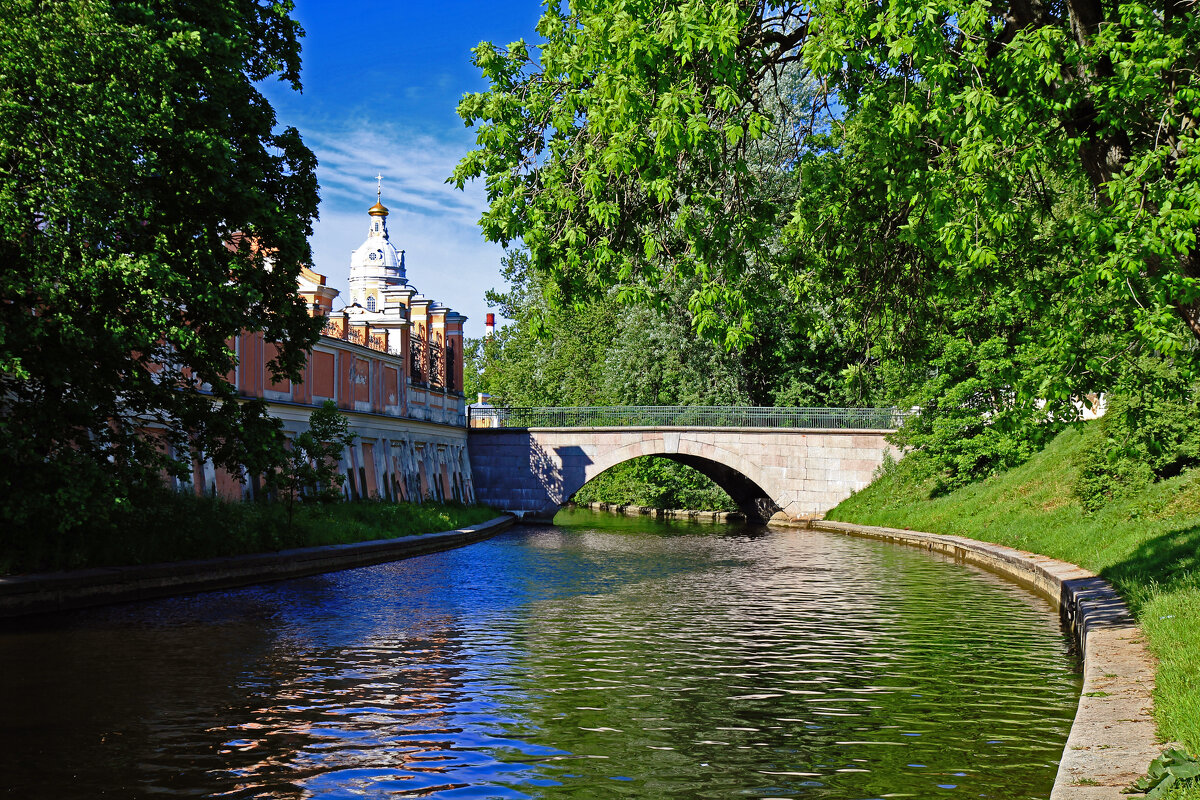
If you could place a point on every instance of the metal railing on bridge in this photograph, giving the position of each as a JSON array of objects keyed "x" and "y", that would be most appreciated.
[{"x": 686, "y": 416}]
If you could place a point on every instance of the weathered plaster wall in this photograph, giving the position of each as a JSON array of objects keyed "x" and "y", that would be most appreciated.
[{"x": 391, "y": 458}]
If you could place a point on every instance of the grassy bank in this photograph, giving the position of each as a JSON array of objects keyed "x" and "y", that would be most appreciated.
[
  {"x": 1146, "y": 544},
  {"x": 175, "y": 527}
]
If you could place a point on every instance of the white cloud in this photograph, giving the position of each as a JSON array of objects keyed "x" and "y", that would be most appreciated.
[{"x": 447, "y": 257}]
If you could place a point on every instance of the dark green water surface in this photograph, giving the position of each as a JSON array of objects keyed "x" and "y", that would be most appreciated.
[{"x": 602, "y": 657}]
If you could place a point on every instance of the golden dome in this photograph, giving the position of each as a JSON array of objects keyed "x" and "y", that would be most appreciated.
[{"x": 378, "y": 210}]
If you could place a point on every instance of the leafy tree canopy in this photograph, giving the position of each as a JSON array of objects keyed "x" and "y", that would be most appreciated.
[
  {"x": 599, "y": 353},
  {"x": 619, "y": 150},
  {"x": 989, "y": 208},
  {"x": 149, "y": 211}
]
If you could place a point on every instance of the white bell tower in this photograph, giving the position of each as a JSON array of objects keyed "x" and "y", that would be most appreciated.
[{"x": 376, "y": 265}]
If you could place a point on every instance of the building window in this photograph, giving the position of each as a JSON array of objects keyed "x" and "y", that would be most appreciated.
[{"x": 371, "y": 303}]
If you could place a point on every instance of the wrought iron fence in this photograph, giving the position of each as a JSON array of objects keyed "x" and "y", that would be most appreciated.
[
  {"x": 417, "y": 372},
  {"x": 437, "y": 365},
  {"x": 687, "y": 416}
]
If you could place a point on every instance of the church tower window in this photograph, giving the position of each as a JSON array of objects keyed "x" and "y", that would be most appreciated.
[{"x": 371, "y": 303}]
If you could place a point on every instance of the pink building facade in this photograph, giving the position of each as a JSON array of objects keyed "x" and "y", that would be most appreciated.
[{"x": 392, "y": 362}]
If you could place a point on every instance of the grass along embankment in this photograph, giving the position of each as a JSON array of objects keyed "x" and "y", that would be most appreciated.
[
  {"x": 1146, "y": 544},
  {"x": 167, "y": 526}
]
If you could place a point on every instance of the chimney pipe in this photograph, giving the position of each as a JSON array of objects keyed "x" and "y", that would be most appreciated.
[{"x": 490, "y": 326}]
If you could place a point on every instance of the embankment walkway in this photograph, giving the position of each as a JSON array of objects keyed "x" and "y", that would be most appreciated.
[{"x": 59, "y": 591}]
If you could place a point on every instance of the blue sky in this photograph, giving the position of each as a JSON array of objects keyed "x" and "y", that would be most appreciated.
[{"x": 381, "y": 81}]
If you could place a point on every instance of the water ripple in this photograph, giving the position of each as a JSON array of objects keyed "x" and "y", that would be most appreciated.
[{"x": 577, "y": 661}]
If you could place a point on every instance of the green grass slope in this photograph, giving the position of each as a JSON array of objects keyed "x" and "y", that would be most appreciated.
[{"x": 1147, "y": 545}]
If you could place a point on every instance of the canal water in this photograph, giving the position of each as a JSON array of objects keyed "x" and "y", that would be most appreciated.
[{"x": 600, "y": 657}]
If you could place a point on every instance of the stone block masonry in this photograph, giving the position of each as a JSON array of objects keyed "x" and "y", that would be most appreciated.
[
  {"x": 666, "y": 513},
  {"x": 788, "y": 474}
]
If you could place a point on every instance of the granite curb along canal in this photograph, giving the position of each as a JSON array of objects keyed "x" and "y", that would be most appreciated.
[
  {"x": 60, "y": 591},
  {"x": 1113, "y": 738}
]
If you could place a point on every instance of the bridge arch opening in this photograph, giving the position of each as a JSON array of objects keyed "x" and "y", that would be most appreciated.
[{"x": 742, "y": 493}]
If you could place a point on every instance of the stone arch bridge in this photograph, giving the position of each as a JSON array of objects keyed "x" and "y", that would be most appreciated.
[{"x": 790, "y": 464}]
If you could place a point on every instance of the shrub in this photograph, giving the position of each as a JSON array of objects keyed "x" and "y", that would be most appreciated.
[
  {"x": 973, "y": 424},
  {"x": 1150, "y": 431}
]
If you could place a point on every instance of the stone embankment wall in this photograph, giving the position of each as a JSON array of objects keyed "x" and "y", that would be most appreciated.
[
  {"x": 60, "y": 591},
  {"x": 1114, "y": 738},
  {"x": 630, "y": 510}
]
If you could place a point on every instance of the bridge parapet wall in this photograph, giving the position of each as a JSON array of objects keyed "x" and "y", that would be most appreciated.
[{"x": 794, "y": 473}]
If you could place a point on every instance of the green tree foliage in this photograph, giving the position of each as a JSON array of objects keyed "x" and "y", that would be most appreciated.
[
  {"x": 601, "y": 352},
  {"x": 149, "y": 211},
  {"x": 1150, "y": 431},
  {"x": 308, "y": 467},
  {"x": 657, "y": 483},
  {"x": 998, "y": 144},
  {"x": 985, "y": 209},
  {"x": 620, "y": 152},
  {"x": 972, "y": 422},
  {"x": 597, "y": 353},
  {"x": 619, "y": 149},
  {"x": 991, "y": 113}
]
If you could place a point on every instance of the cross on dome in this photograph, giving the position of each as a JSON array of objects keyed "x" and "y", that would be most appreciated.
[{"x": 379, "y": 209}]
